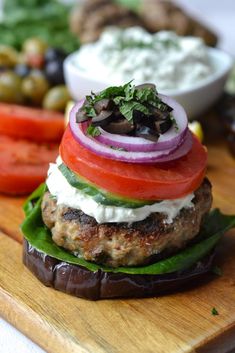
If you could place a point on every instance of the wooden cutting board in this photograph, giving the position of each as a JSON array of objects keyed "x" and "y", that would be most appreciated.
[{"x": 176, "y": 323}]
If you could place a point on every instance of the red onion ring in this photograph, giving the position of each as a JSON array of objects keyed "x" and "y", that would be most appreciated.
[
  {"x": 79, "y": 133},
  {"x": 168, "y": 140}
]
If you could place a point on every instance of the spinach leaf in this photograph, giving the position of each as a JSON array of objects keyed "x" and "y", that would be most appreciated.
[{"x": 33, "y": 198}]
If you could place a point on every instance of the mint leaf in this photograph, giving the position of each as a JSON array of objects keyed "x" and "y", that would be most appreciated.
[
  {"x": 93, "y": 131},
  {"x": 129, "y": 92},
  {"x": 117, "y": 100},
  {"x": 88, "y": 107},
  {"x": 146, "y": 95},
  {"x": 174, "y": 123},
  {"x": 214, "y": 311},
  {"x": 114, "y": 91},
  {"x": 127, "y": 109},
  {"x": 110, "y": 92},
  {"x": 118, "y": 148}
]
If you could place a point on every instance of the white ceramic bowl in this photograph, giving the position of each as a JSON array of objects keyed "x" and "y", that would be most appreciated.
[{"x": 195, "y": 100}]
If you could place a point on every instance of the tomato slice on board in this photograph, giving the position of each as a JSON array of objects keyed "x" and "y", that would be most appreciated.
[
  {"x": 169, "y": 180},
  {"x": 23, "y": 164},
  {"x": 31, "y": 123}
]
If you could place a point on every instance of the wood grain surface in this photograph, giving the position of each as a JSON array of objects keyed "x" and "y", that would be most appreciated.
[
  {"x": 176, "y": 323},
  {"x": 11, "y": 216}
]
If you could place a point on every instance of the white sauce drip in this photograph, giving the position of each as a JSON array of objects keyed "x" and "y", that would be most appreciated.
[
  {"x": 164, "y": 58},
  {"x": 72, "y": 197}
]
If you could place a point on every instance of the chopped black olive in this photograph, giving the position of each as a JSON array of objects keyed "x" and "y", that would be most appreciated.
[
  {"x": 135, "y": 111},
  {"x": 147, "y": 133},
  {"x": 103, "y": 118},
  {"x": 163, "y": 126},
  {"x": 168, "y": 108},
  {"x": 121, "y": 126},
  {"x": 103, "y": 104},
  {"x": 81, "y": 116},
  {"x": 138, "y": 116},
  {"x": 159, "y": 114}
]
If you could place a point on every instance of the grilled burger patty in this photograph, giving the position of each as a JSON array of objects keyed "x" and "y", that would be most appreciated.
[{"x": 124, "y": 244}]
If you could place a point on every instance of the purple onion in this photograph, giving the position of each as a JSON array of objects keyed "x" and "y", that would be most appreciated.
[{"x": 175, "y": 151}]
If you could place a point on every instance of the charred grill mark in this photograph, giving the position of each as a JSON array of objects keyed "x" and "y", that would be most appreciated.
[{"x": 72, "y": 214}]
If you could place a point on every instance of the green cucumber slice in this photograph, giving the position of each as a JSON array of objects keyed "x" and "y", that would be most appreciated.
[
  {"x": 100, "y": 196},
  {"x": 39, "y": 236}
]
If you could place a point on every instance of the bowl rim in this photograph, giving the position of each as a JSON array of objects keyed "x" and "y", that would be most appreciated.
[
  {"x": 69, "y": 65},
  {"x": 214, "y": 53}
]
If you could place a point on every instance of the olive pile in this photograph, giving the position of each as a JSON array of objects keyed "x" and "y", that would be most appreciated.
[
  {"x": 34, "y": 76},
  {"x": 107, "y": 114}
]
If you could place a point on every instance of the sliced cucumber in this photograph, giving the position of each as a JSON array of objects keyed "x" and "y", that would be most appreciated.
[{"x": 100, "y": 196}]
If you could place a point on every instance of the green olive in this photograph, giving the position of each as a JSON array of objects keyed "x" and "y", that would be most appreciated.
[
  {"x": 56, "y": 98},
  {"x": 35, "y": 46},
  {"x": 34, "y": 88},
  {"x": 10, "y": 79},
  {"x": 10, "y": 88},
  {"x": 8, "y": 56},
  {"x": 10, "y": 95}
]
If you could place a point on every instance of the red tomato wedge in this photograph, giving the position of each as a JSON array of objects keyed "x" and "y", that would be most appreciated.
[
  {"x": 23, "y": 164},
  {"x": 30, "y": 123},
  {"x": 169, "y": 180}
]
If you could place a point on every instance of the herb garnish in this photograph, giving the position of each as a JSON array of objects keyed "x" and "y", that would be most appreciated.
[
  {"x": 88, "y": 107},
  {"x": 126, "y": 101},
  {"x": 93, "y": 130},
  {"x": 174, "y": 122},
  {"x": 127, "y": 109},
  {"x": 214, "y": 312},
  {"x": 118, "y": 148}
]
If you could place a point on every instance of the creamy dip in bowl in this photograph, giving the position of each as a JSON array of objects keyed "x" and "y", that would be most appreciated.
[{"x": 181, "y": 67}]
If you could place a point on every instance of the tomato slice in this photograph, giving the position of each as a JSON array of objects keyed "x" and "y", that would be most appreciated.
[
  {"x": 23, "y": 164},
  {"x": 31, "y": 123},
  {"x": 138, "y": 181}
]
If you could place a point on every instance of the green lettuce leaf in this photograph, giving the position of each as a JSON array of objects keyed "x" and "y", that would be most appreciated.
[{"x": 39, "y": 236}]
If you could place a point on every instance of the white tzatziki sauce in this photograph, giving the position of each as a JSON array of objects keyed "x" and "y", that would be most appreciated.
[
  {"x": 72, "y": 197},
  {"x": 163, "y": 58}
]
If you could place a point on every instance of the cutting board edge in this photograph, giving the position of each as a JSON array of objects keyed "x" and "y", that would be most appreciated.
[
  {"x": 224, "y": 343},
  {"x": 27, "y": 323}
]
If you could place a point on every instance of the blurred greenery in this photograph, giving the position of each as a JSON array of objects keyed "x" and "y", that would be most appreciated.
[
  {"x": 47, "y": 19},
  {"x": 132, "y": 4}
]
